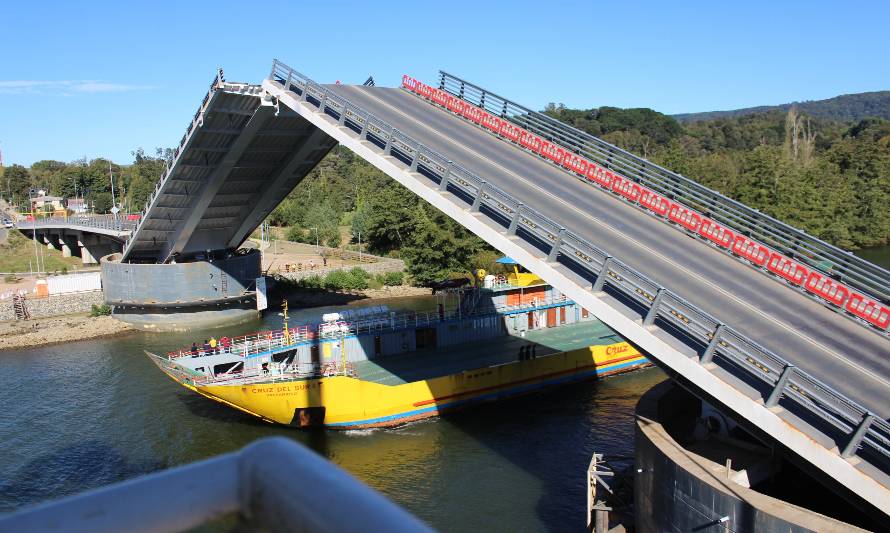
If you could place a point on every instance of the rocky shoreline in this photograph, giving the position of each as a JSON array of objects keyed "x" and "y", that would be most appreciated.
[
  {"x": 66, "y": 328},
  {"x": 59, "y": 329},
  {"x": 302, "y": 298}
]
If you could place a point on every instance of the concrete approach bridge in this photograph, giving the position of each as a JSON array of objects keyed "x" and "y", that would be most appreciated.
[
  {"x": 89, "y": 237},
  {"x": 785, "y": 333}
]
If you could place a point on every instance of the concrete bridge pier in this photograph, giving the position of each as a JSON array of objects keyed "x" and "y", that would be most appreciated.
[
  {"x": 70, "y": 244},
  {"x": 66, "y": 249},
  {"x": 92, "y": 247},
  {"x": 85, "y": 255},
  {"x": 51, "y": 241},
  {"x": 183, "y": 296}
]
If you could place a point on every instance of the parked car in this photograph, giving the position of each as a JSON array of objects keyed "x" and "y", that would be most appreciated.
[{"x": 8, "y": 223}]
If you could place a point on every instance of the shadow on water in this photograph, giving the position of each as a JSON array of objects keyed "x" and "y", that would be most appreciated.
[
  {"x": 550, "y": 435},
  {"x": 71, "y": 470}
]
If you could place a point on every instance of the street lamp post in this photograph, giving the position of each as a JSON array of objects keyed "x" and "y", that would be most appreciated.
[{"x": 34, "y": 227}]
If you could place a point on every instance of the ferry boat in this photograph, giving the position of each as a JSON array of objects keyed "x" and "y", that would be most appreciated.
[{"x": 508, "y": 335}]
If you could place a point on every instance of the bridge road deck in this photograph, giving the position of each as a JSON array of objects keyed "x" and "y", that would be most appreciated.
[{"x": 830, "y": 347}]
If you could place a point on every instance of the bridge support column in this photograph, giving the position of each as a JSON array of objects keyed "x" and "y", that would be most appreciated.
[
  {"x": 85, "y": 255},
  {"x": 183, "y": 296},
  {"x": 70, "y": 245}
]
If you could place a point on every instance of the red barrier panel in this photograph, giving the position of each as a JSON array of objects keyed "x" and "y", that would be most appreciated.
[
  {"x": 787, "y": 268},
  {"x": 751, "y": 250},
  {"x": 510, "y": 131},
  {"x": 654, "y": 202},
  {"x": 576, "y": 163},
  {"x": 530, "y": 141},
  {"x": 440, "y": 97},
  {"x": 455, "y": 104},
  {"x": 491, "y": 123},
  {"x": 425, "y": 90},
  {"x": 716, "y": 233},
  {"x": 552, "y": 152},
  {"x": 869, "y": 310},
  {"x": 827, "y": 288},
  {"x": 687, "y": 218},
  {"x": 409, "y": 83},
  {"x": 627, "y": 188},
  {"x": 473, "y": 113},
  {"x": 602, "y": 177}
]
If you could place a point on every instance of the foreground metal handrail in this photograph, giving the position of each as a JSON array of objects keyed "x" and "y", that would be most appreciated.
[
  {"x": 274, "y": 483},
  {"x": 721, "y": 343},
  {"x": 787, "y": 239}
]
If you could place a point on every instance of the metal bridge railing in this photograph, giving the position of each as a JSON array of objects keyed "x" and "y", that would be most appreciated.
[
  {"x": 106, "y": 222},
  {"x": 219, "y": 83},
  {"x": 861, "y": 432},
  {"x": 273, "y": 484},
  {"x": 197, "y": 121},
  {"x": 782, "y": 237}
]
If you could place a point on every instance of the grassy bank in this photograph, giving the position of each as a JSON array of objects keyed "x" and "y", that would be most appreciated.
[{"x": 17, "y": 255}]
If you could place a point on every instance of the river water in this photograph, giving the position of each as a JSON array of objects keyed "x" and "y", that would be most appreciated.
[
  {"x": 89, "y": 413},
  {"x": 879, "y": 255}
]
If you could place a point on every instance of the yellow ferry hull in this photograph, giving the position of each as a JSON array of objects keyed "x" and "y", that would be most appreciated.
[{"x": 349, "y": 403}]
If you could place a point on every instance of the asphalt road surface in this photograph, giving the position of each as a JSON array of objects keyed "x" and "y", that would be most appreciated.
[{"x": 829, "y": 346}]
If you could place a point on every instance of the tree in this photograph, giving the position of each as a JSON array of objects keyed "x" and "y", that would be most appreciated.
[
  {"x": 360, "y": 221},
  {"x": 439, "y": 247},
  {"x": 18, "y": 182},
  {"x": 102, "y": 202}
]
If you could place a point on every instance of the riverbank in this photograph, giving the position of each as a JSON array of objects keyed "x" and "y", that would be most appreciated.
[
  {"x": 299, "y": 298},
  {"x": 59, "y": 329},
  {"x": 66, "y": 328}
]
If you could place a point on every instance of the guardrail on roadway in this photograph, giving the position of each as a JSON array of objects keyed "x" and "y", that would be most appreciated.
[
  {"x": 106, "y": 222},
  {"x": 786, "y": 239},
  {"x": 866, "y": 435}
]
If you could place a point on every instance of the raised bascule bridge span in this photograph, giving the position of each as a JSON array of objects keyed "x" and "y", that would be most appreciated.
[{"x": 782, "y": 331}]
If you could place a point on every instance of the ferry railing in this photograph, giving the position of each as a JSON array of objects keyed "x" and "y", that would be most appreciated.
[
  {"x": 277, "y": 373},
  {"x": 273, "y": 484},
  {"x": 268, "y": 341},
  {"x": 860, "y": 429}
]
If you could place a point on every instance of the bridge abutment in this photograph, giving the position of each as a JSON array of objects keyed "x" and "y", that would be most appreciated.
[
  {"x": 183, "y": 296},
  {"x": 697, "y": 471}
]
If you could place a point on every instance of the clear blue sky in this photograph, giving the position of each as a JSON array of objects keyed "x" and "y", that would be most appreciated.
[{"x": 103, "y": 78}]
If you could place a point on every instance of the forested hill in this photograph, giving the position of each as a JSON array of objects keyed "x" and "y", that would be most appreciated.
[
  {"x": 844, "y": 108},
  {"x": 830, "y": 178}
]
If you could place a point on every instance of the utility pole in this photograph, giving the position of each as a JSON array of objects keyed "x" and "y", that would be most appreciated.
[
  {"x": 113, "y": 197},
  {"x": 8, "y": 192}
]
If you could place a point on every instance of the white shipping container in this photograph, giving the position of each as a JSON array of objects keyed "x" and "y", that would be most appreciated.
[{"x": 70, "y": 283}]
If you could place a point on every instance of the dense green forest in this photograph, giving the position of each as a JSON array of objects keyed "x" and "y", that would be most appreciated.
[
  {"x": 828, "y": 177},
  {"x": 844, "y": 108},
  {"x": 88, "y": 179}
]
